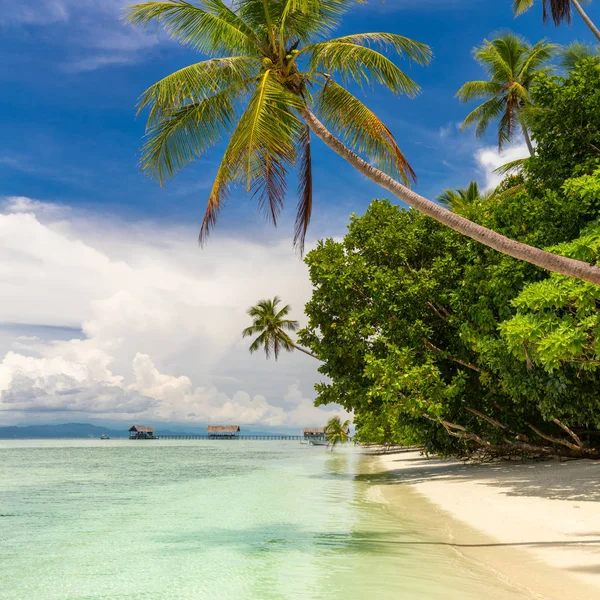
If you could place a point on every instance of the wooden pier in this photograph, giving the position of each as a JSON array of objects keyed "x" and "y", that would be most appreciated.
[{"x": 239, "y": 437}]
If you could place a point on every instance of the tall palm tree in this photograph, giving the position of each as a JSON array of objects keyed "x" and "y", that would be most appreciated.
[
  {"x": 576, "y": 51},
  {"x": 463, "y": 201},
  {"x": 270, "y": 325},
  {"x": 270, "y": 84},
  {"x": 337, "y": 432},
  {"x": 511, "y": 64},
  {"x": 560, "y": 10}
]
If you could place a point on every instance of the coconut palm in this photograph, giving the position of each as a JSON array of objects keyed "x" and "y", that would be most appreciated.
[
  {"x": 575, "y": 52},
  {"x": 270, "y": 324},
  {"x": 272, "y": 81},
  {"x": 560, "y": 10},
  {"x": 511, "y": 64},
  {"x": 463, "y": 201},
  {"x": 337, "y": 432}
]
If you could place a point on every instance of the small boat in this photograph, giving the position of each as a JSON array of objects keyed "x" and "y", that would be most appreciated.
[
  {"x": 104, "y": 436},
  {"x": 318, "y": 442}
]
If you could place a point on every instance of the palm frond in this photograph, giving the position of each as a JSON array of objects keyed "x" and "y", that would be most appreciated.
[
  {"x": 209, "y": 27},
  {"x": 573, "y": 53},
  {"x": 261, "y": 147},
  {"x": 195, "y": 83},
  {"x": 362, "y": 130},
  {"x": 512, "y": 166},
  {"x": 403, "y": 46},
  {"x": 185, "y": 133},
  {"x": 483, "y": 115},
  {"x": 475, "y": 90},
  {"x": 521, "y": 6},
  {"x": 309, "y": 19},
  {"x": 360, "y": 64},
  {"x": 305, "y": 191}
]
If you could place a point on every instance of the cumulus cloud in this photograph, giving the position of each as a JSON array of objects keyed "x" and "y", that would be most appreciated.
[
  {"x": 149, "y": 325},
  {"x": 489, "y": 158}
]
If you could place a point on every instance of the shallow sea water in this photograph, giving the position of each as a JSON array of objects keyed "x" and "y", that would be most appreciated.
[{"x": 218, "y": 520}]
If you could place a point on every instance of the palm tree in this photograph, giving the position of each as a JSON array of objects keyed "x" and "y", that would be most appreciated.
[
  {"x": 560, "y": 11},
  {"x": 270, "y": 324},
  {"x": 462, "y": 201},
  {"x": 337, "y": 432},
  {"x": 271, "y": 81},
  {"x": 575, "y": 52},
  {"x": 511, "y": 64}
]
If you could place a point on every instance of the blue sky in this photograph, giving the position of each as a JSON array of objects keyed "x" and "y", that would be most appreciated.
[
  {"x": 110, "y": 312},
  {"x": 71, "y": 75}
]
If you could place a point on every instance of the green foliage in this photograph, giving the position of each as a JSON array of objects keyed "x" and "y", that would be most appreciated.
[
  {"x": 565, "y": 125},
  {"x": 270, "y": 326},
  {"x": 511, "y": 65},
  {"x": 337, "y": 432},
  {"x": 435, "y": 341}
]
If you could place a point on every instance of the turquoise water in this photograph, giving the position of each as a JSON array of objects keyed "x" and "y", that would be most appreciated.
[{"x": 243, "y": 520}]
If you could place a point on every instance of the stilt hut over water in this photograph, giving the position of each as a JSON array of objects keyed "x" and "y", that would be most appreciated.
[
  {"x": 141, "y": 432},
  {"x": 223, "y": 432},
  {"x": 314, "y": 433}
]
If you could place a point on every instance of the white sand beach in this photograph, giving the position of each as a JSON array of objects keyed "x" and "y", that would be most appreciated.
[{"x": 534, "y": 523}]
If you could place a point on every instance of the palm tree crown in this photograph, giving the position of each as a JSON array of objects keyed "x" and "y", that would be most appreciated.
[
  {"x": 337, "y": 432},
  {"x": 559, "y": 10},
  {"x": 464, "y": 201},
  {"x": 269, "y": 62},
  {"x": 511, "y": 64},
  {"x": 270, "y": 324}
]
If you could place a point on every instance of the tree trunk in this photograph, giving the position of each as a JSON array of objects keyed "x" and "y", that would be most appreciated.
[
  {"x": 305, "y": 351},
  {"x": 535, "y": 256},
  {"x": 527, "y": 139},
  {"x": 586, "y": 19}
]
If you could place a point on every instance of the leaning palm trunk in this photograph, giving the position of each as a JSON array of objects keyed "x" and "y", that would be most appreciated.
[
  {"x": 305, "y": 351},
  {"x": 586, "y": 19},
  {"x": 535, "y": 256},
  {"x": 527, "y": 139}
]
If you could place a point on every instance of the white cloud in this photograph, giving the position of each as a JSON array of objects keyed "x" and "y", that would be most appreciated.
[
  {"x": 160, "y": 322},
  {"x": 489, "y": 158}
]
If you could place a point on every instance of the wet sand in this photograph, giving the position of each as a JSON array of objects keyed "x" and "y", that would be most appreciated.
[{"x": 537, "y": 524}]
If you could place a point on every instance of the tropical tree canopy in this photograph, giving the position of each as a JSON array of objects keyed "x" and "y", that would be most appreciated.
[
  {"x": 463, "y": 201},
  {"x": 270, "y": 326},
  {"x": 269, "y": 60},
  {"x": 511, "y": 64}
]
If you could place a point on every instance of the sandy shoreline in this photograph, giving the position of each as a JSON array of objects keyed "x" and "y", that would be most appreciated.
[{"x": 536, "y": 524}]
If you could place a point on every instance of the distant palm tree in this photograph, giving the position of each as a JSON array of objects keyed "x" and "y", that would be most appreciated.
[
  {"x": 274, "y": 79},
  {"x": 573, "y": 53},
  {"x": 462, "y": 201},
  {"x": 270, "y": 324},
  {"x": 337, "y": 432},
  {"x": 560, "y": 10},
  {"x": 511, "y": 64}
]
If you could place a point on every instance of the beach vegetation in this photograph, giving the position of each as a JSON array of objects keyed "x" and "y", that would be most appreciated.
[
  {"x": 272, "y": 329},
  {"x": 337, "y": 432},
  {"x": 512, "y": 66},
  {"x": 448, "y": 345}
]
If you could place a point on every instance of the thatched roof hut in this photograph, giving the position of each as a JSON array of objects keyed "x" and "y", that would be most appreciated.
[
  {"x": 141, "y": 432},
  {"x": 223, "y": 431}
]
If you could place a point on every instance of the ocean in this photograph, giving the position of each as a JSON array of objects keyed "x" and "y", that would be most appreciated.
[{"x": 218, "y": 520}]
